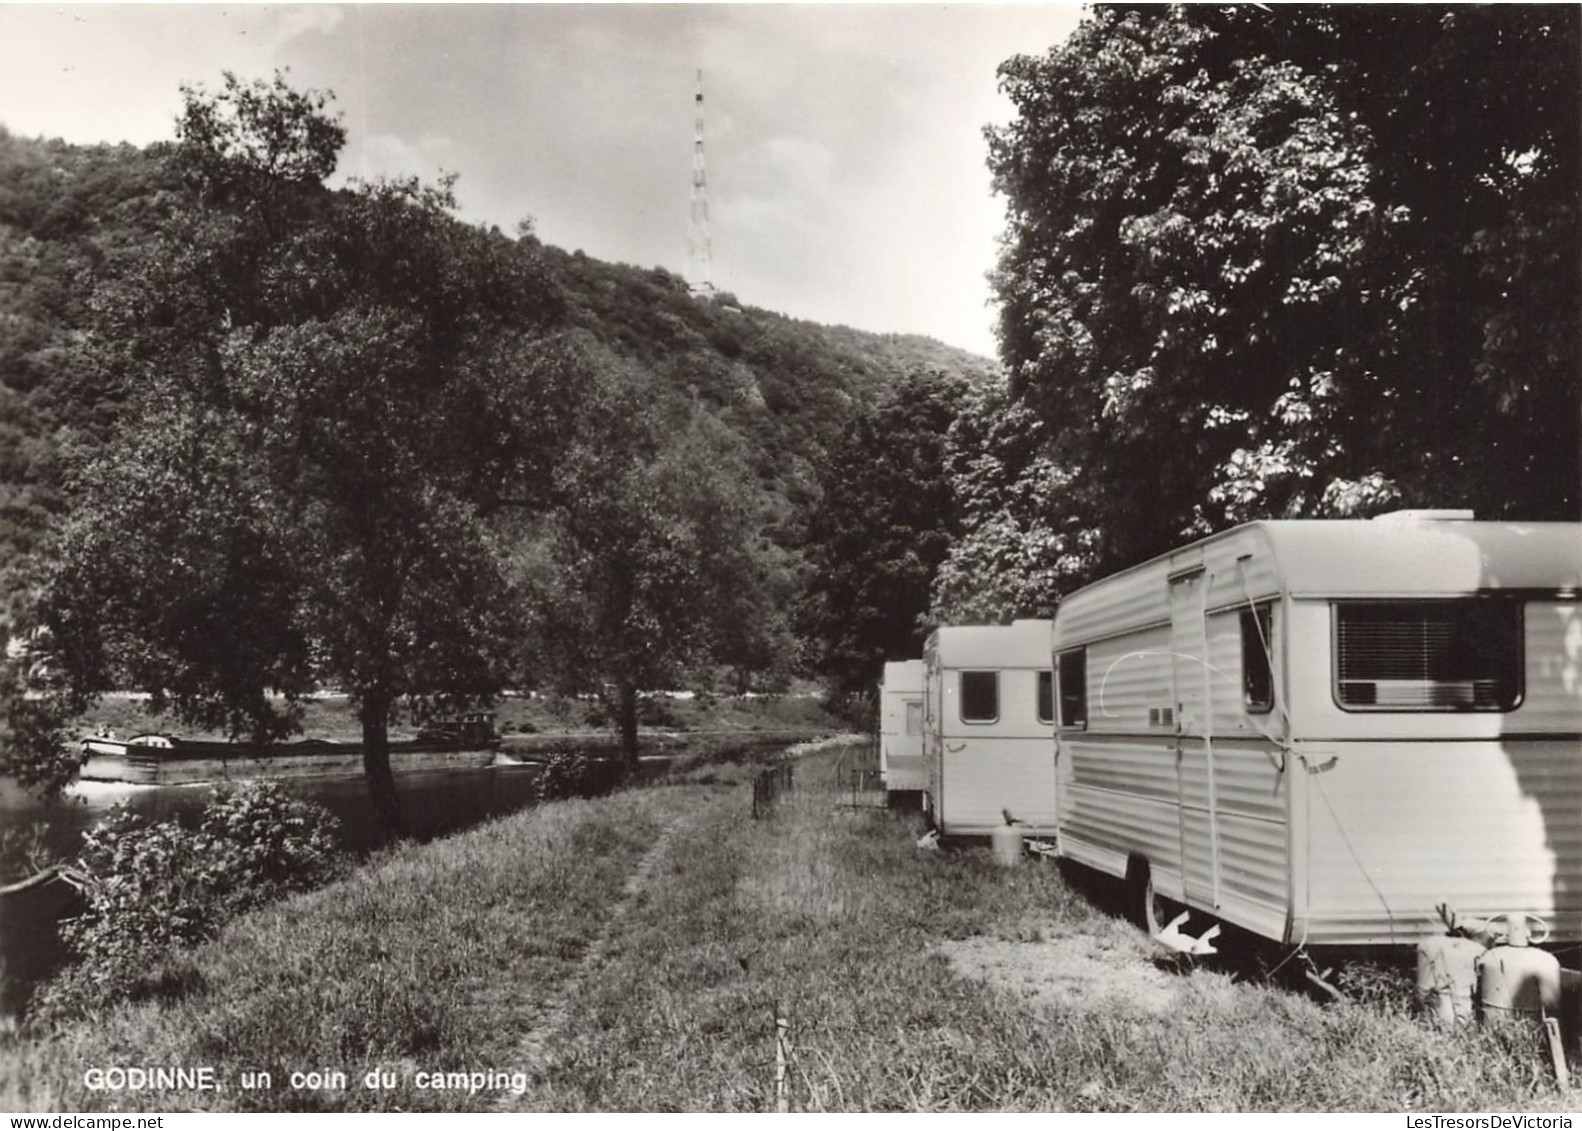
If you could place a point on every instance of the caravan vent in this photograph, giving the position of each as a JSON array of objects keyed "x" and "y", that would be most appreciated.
[{"x": 1161, "y": 716}]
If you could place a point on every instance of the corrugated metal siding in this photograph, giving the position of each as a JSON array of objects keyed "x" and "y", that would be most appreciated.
[
  {"x": 1253, "y": 861},
  {"x": 1247, "y": 775},
  {"x": 1129, "y": 764},
  {"x": 1128, "y": 601},
  {"x": 1124, "y": 789},
  {"x": 1128, "y": 676},
  {"x": 1119, "y": 824},
  {"x": 1396, "y": 828}
]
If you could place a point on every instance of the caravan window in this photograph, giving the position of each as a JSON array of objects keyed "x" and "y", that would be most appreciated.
[
  {"x": 1074, "y": 688},
  {"x": 1257, "y": 646},
  {"x": 1458, "y": 655},
  {"x": 914, "y": 716},
  {"x": 980, "y": 697},
  {"x": 1046, "y": 697}
]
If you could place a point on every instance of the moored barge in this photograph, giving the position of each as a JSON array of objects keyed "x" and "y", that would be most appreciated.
[{"x": 468, "y": 742}]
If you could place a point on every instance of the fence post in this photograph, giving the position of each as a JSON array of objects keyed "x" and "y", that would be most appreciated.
[{"x": 782, "y": 1093}]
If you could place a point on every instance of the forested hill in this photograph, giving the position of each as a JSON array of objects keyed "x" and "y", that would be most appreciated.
[{"x": 784, "y": 388}]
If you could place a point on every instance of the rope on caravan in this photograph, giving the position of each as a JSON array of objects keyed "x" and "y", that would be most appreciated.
[
  {"x": 1289, "y": 749},
  {"x": 1282, "y": 740}
]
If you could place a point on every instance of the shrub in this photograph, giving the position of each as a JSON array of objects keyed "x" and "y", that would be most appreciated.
[
  {"x": 656, "y": 711},
  {"x": 152, "y": 889},
  {"x": 574, "y": 774}
]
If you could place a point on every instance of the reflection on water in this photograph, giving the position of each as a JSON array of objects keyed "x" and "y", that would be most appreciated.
[{"x": 434, "y": 802}]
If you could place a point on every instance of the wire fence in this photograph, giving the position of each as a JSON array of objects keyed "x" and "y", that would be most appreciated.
[{"x": 858, "y": 778}]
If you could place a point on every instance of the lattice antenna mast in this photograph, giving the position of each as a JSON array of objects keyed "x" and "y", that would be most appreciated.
[{"x": 700, "y": 246}]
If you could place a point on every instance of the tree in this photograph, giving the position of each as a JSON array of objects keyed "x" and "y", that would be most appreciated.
[
  {"x": 337, "y": 395},
  {"x": 1474, "y": 115},
  {"x": 877, "y": 535},
  {"x": 1306, "y": 261},
  {"x": 1183, "y": 242},
  {"x": 644, "y": 569},
  {"x": 1019, "y": 550}
]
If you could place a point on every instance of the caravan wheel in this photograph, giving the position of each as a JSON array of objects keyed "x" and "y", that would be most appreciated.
[{"x": 1147, "y": 908}]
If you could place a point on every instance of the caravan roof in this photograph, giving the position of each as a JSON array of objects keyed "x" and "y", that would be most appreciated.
[
  {"x": 903, "y": 675},
  {"x": 1425, "y": 557},
  {"x": 1406, "y": 556},
  {"x": 1020, "y": 644}
]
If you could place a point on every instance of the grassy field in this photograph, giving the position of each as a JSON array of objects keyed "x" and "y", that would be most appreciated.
[{"x": 634, "y": 953}]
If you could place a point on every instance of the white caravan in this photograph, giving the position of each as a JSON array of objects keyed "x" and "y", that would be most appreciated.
[
  {"x": 988, "y": 728},
  {"x": 1320, "y": 730},
  {"x": 901, "y": 728}
]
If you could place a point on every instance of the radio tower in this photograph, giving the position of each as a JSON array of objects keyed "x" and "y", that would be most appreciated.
[{"x": 700, "y": 248}]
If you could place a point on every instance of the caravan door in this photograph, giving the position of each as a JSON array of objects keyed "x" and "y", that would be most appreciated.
[{"x": 1194, "y": 737}]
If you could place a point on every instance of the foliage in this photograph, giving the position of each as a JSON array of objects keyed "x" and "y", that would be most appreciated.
[
  {"x": 335, "y": 395},
  {"x": 34, "y": 733},
  {"x": 25, "y": 852},
  {"x": 151, "y": 889},
  {"x": 203, "y": 333},
  {"x": 1018, "y": 550},
  {"x": 574, "y": 774},
  {"x": 382, "y": 968},
  {"x": 1473, "y": 115},
  {"x": 648, "y": 565},
  {"x": 1304, "y": 259},
  {"x": 875, "y": 540},
  {"x": 1183, "y": 243}
]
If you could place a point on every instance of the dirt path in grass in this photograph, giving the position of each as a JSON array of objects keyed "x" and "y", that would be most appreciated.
[{"x": 535, "y": 1052}]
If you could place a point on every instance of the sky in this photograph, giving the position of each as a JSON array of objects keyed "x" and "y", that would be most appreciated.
[{"x": 846, "y": 172}]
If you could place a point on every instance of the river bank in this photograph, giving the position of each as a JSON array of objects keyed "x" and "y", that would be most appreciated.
[
  {"x": 635, "y": 953},
  {"x": 441, "y": 792}
]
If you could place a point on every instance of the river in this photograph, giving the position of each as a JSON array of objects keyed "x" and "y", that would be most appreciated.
[{"x": 434, "y": 802}]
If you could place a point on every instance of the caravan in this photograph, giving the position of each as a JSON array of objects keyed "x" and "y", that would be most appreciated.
[
  {"x": 1321, "y": 730},
  {"x": 988, "y": 728},
  {"x": 901, "y": 729}
]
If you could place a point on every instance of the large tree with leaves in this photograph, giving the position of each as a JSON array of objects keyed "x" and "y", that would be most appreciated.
[
  {"x": 1294, "y": 261},
  {"x": 335, "y": 395},
  {"x": 1019, "y": 547},
  {"x": 646, "y": 570},
  {"x": 884, "y": 522}
]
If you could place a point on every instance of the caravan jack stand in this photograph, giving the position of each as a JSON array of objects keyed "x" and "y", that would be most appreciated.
[{"x": 1172, "y": 936}]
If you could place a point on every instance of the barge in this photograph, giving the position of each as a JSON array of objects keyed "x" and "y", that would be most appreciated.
[{"x": 468, "y": 742}]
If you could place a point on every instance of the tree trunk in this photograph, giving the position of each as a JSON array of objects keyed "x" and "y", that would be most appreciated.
[
  {"x": 376, "y": 767},
  {"x": 628, "y": 723}
]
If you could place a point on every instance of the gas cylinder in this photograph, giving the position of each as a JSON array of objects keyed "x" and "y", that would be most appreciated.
[
  {"x": 1006, "y": 841},
  {"x": 1447, "y": 971},
  {"x": 1517, "y": 978}
]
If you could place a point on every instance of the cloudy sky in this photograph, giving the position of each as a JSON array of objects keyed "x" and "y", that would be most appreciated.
[{"x": 846, "y": 173}]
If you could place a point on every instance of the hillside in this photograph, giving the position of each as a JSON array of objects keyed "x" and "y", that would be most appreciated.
[{"x": 784, "y": 388}]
